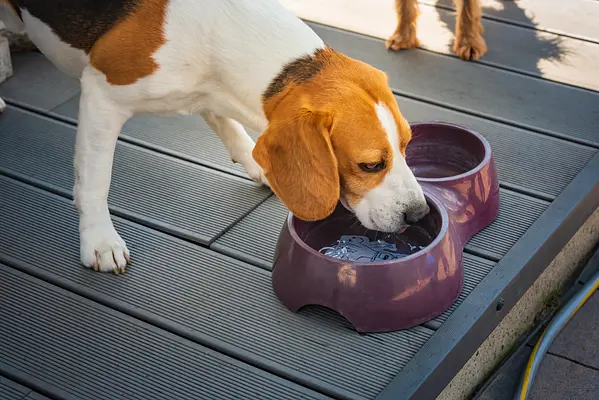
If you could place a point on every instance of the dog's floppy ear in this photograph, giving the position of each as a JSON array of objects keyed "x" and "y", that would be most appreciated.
[{"x": 296, "y": 155}]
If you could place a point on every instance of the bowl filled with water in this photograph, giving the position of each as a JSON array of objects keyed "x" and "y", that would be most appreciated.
[
  {"x": 343, "y": 238},
  {"x": 389, "y": 281}
]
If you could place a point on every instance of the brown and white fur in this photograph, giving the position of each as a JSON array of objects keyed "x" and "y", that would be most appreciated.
[
  {"x": 332, "y": 129},
  {"x": 469, "y": 43}
]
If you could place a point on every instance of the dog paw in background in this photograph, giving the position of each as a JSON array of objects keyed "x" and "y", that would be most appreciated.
[
  {"x": 405, "y": 35},
  {"x": 469, "y": 43},
  {"x": 470, "y": 46},
  {"x": 399, "y": 41}
]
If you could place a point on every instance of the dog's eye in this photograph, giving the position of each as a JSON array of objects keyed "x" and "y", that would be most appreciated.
[{"x": 372, "y": 167}]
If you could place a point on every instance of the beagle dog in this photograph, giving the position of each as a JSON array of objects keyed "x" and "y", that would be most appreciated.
[
  {"x": 332, "y": 129},
  {"x": 469, "y": 43}
]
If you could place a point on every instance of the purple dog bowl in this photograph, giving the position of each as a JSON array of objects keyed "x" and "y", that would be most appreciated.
[{"x": 457, "y": 172}]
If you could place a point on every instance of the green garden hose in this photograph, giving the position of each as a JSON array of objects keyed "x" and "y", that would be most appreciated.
[{"x": 557, "y": 324}]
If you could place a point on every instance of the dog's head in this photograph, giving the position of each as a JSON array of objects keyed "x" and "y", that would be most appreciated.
[{"x": 335, "y": 133}]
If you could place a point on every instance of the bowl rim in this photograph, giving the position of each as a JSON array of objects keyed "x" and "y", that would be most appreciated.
[
  {"x": 442, "y": 233},
  {"x": 485, "y": 161}
]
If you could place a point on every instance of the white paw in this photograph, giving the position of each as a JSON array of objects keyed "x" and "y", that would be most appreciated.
[
  {"x": 103, "y": 249},
  {"x": 2, "y": 105},
  {"x": 253, "y": 169}
]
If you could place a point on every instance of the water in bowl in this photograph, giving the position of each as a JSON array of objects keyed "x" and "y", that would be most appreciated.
[
  {"x": 341, "y": 234},
  {"x": 360, "y": 248},
  {"x": 343, "y": 237}
]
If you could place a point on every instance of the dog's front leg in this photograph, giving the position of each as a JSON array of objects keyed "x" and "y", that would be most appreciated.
[
  {"x": 238, "y": 143},
  {"x": 469, "y": 42},
  {"x": 100, "y": 122},
  {"x": 405, "y": 35}
]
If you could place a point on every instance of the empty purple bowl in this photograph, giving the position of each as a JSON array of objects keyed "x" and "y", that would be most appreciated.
[{"x": 457, "y": 172}]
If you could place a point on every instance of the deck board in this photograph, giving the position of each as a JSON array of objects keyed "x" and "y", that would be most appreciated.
[
  {"x": 212, "y": 298},
  {"x": 533, "y": 104},
  {"x": 36, "y": 396},
  {"x": 41, "y": 151},
  {"x": 79, "y": 349}
]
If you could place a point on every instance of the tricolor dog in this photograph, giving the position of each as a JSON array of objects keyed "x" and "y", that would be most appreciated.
[{"x": 332, "y": 129}]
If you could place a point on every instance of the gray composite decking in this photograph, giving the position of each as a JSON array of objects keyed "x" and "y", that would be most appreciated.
[{"x": 195, "y": 315}]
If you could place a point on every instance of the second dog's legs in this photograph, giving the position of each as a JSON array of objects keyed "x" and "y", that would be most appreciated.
[
  {"x": 239, "y": 144},
  {"x": 405, "y": 36},
  {"x": 469, "y": 43}
]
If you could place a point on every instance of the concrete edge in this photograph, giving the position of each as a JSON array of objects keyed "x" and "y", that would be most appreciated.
[{"x": 522, "y": 317}]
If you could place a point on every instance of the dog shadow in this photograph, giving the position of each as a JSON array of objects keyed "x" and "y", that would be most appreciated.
[{"x": 525, "y": 49}]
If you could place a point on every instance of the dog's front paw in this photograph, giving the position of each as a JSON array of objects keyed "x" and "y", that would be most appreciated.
[
  {"x": 397, "y": 41},
  {"x": 256, "y": 173},
  {"x": 2, "y": 105},
  {"x": 470, "y": 47},
  {"x": 253, "y": 169},
  {"x": 103, "y": 249}
]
